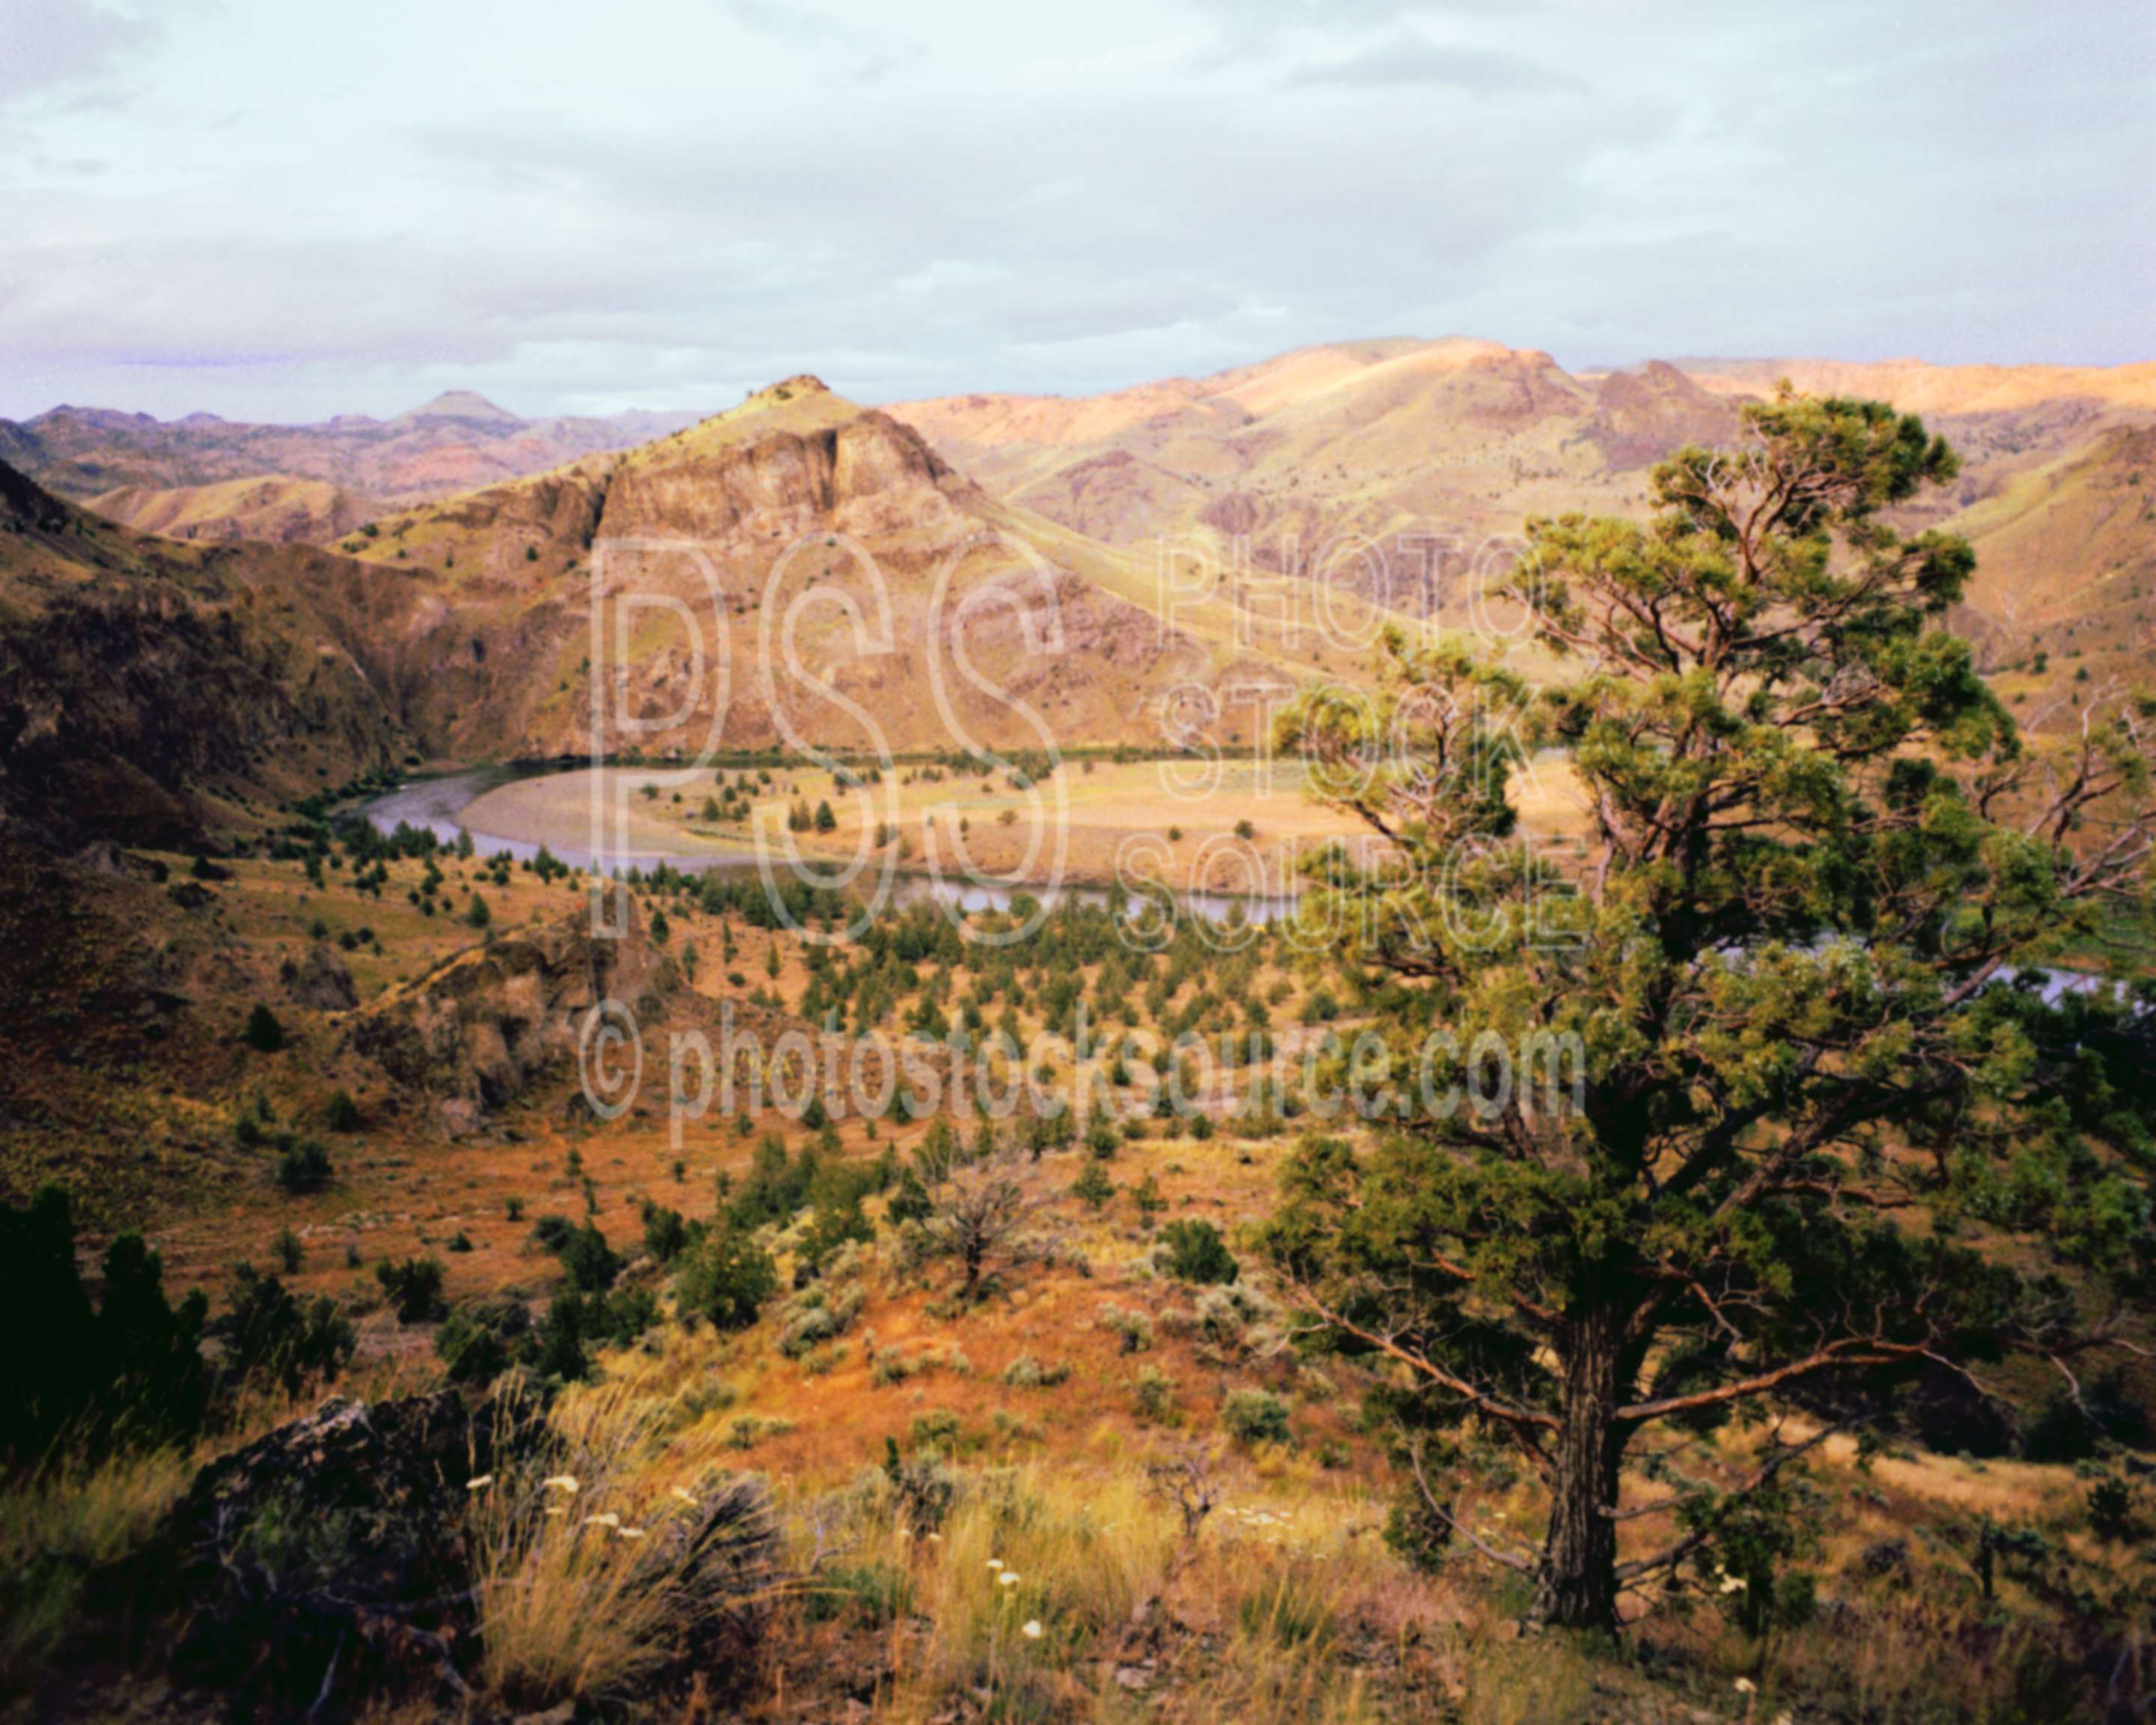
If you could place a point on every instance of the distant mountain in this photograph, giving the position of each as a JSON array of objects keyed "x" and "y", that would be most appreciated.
[{"x": 155, "y": 473}]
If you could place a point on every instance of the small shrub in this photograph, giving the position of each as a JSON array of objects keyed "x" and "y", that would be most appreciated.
[
  {"x": 1027, "y": 1372},
  {"x": 2111, "y": 1510},
  {"x": 1093, "y": 1187},
  {"x": 477, "y": 1343},
  {"x": 1194, "y": 1251},
  {"x": 1133, "y": 1328},
  {"x": 304, "y": 1168},
  {"x": 745, "y": 1431},
  {"x": 665, "y": 1233},
  {"x": 924, "y": 1488},
  {"x": 264, "y": 1033},
  {"x": 414, "y": 1288},
  {"x": 341, "y": 1113},
  {"x": 1153, "y": 1396},
  {"x": 588, "y": 1261},
  {"x": 268, "y": 1336},
  {"x": 1255, "y": 1416}
]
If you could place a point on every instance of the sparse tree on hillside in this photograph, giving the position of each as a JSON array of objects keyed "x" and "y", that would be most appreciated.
[
  {"x": 1819, "y": 1094},
  {"x": 989, "y": 1213}
]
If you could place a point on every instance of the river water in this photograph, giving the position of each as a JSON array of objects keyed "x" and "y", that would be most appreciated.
[{"x": 439, "y": 805}]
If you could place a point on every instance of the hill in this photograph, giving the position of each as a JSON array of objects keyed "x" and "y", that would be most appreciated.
[
  {"x": 152, "y": 687},
  {"x": 1272, "y": 463},
  {"x": 278, "y": 507},
  {"x": 451, "y": 444},
  {"x": 851, "y": 570},
  {"x": 1462, "y": 435}
]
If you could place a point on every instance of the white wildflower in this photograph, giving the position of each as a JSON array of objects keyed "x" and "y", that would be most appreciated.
[
  {"x": 481, "y": 1484},
  {"x": 1008, "y": 1579},
  {"x": 1032, "y": 1632},
  {"x": 630, "y": 1532},
  {"x": 1745, "y": 1686},
  {"x": 561, "y": 1482}
]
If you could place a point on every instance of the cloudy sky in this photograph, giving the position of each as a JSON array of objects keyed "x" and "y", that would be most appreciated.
[{"x": 278, "y": 210}]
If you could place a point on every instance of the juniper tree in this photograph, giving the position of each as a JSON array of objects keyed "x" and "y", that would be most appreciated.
[{"x": 1832, "y": 1130}]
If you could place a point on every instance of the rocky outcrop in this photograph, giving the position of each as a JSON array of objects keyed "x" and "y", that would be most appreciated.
[
  {"x": 331, "y": 1554},
  {"x": 320, "y": 981},
  {"x": 870, "y": 475},
  {"x": 331, "y": 1564},
  {"x": 491, "y": 1025}
]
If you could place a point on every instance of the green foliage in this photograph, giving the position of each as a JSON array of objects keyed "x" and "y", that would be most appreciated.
[
  {"x": 590, "y": 1264},
  {"x": 1749, "y": 1541},
  {"x": 1194, "y": 1251},
  {"x": 1027, "y": 1372},
  {"x": 1773, "y": 1097},
  {"x": 478, "y": 1343},
  {"x": 1255, "y": 1416},
  {"x": 414, "y": 1289},
  {"x": 726, "y": 1280},
  {"x": 126, "y": 1370},
  {"x": 560, "y": 1346},
  {"x": 270, "y": 1336},
  {"x": 304, "y": 1167},
  {"x": 262, "y": 1033},
  {"x": 341, "y": 1113},
  {"x": 871, "y": 1595},
  {"x": 666, "y": 1234},
  {"x": 1154, "y": 1397},
  {"x": 1093, "y": 1187}
]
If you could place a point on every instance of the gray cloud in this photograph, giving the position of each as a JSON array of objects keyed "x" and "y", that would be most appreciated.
[
  {"x": 1027, "y": 203},
  {"x": 1404, "y": 60},
  {"x": 53, "y": 43}
]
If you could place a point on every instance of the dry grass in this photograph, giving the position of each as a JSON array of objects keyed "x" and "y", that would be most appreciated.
[
  {"x": 607, "y": 1554},
  {"x": 56, "y": 1528}
]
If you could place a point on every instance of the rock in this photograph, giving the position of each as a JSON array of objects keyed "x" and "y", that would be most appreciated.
[
  {"x": 327, "y": 1551},
  {"x": 481, "y": 1030},
  {"x": 101, "y": 856},
  {"x": 320, "y": 980}
]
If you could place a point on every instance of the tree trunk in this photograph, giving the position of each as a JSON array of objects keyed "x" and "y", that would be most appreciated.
[{"x": 1576, "y": 1585}]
